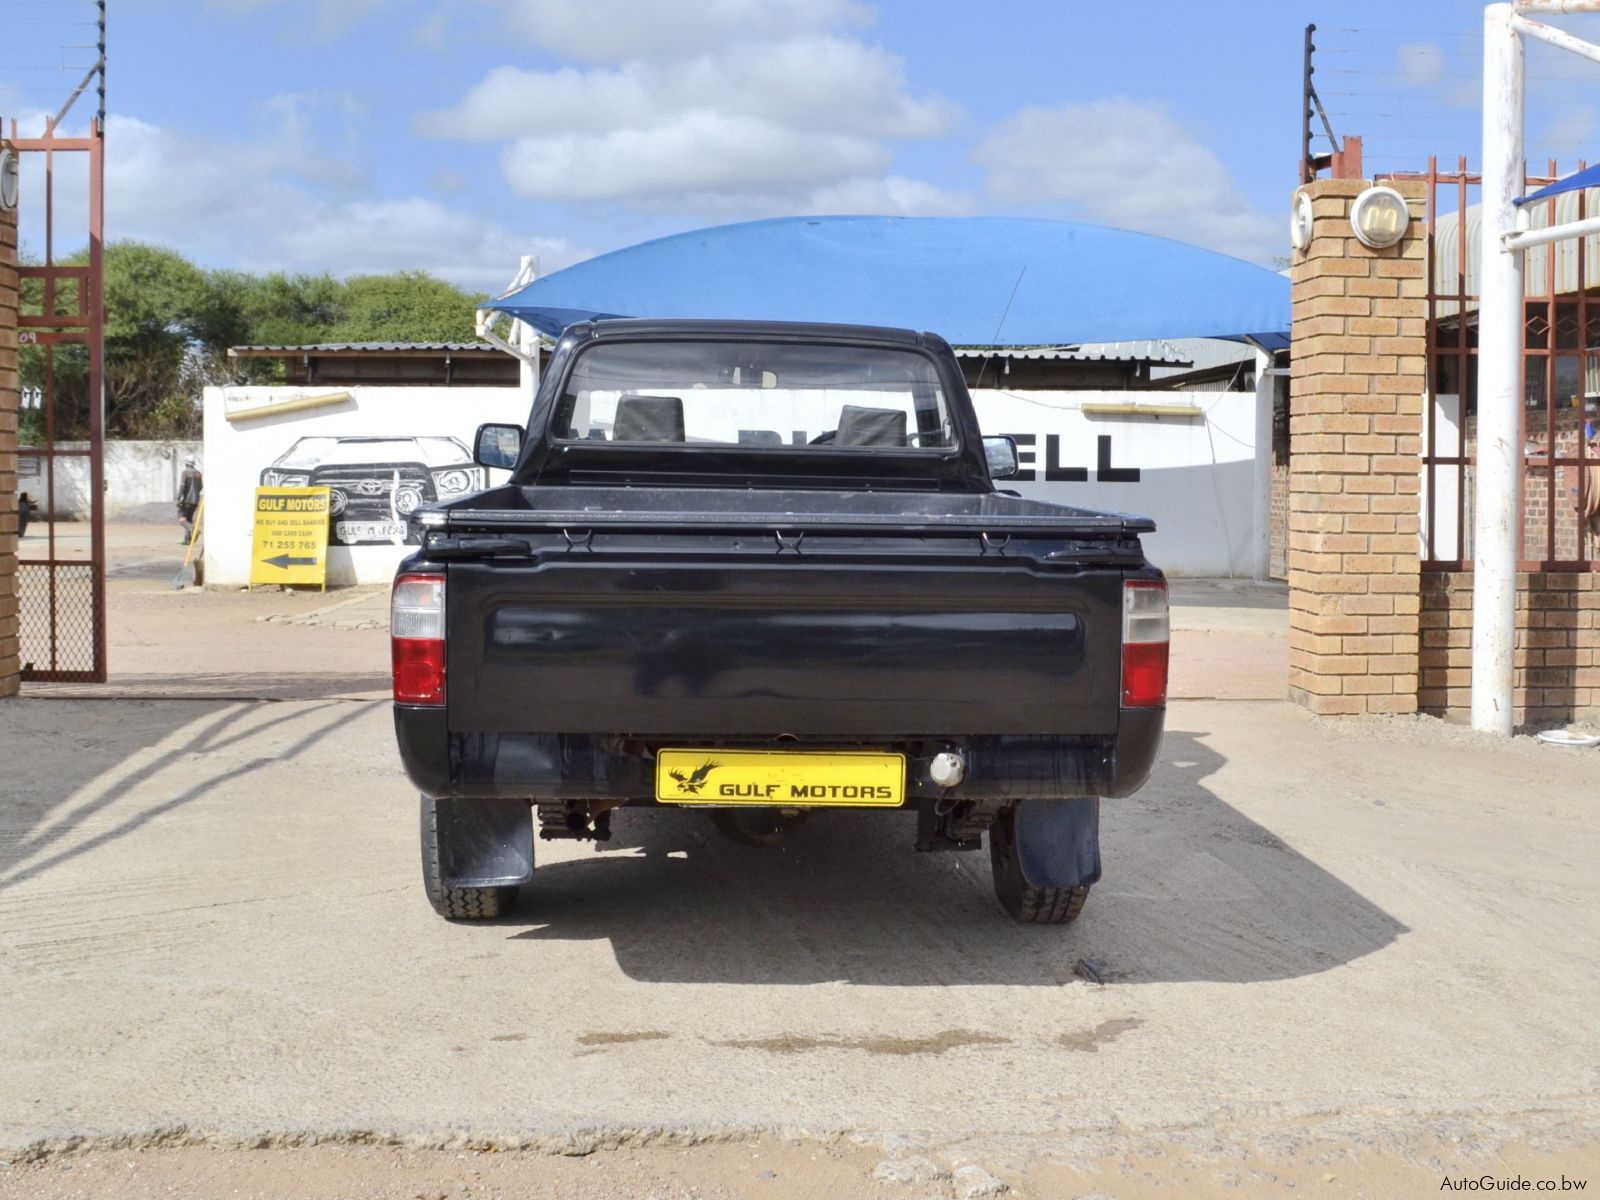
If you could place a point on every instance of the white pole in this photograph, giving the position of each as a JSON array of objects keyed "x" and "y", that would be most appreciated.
[
  {"x": 1524, "y": 238},
  {"x": 1558, "y": 37},
  {"x": 1557, "y": 6},
  {"x": 1266, "y": 389},
  {"x": 1498, "y": 507},
  {"x": 526, "y": 337}
]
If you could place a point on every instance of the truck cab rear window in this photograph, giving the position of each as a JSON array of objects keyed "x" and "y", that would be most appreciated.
[{"x": 753, "y": 395}]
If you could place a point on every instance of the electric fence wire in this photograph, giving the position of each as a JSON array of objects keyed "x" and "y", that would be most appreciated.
[
  {"x": 50, "y": 45},
  {"x": 1408, "y": 92}
]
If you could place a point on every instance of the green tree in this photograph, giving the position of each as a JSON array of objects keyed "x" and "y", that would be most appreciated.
[
  {"x": 169, "y": 325},
  {"x": 262, "y": 310},
  {"x": 407, "y": 306},
  {"x": 151, "y": 298},
  {"x": 154, "y": 301}
]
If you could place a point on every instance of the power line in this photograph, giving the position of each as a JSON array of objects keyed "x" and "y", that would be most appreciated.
[{"x": 1402, "y": 32}]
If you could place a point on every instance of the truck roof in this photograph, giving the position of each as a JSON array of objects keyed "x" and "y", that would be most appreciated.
[{"x": 785, "y": 330}]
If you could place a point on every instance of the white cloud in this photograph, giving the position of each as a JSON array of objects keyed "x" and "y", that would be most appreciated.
[
  {"x": 447, "y": 182},
  {"x": 696, "y": 152},
  {"x": 611, "y": 30},
  {"x": 323, "y": 20},
  {"x": 819, "y": 83},
  {"x": 761, "y": 125},
  {"x": 417, "y": 234},
  {"x": 891, "y": 196},
  {"x": 1419, "y": 64},
  {"x": 248, "y": 204},
  {"x": 866, "y": 195},
  {"x": 1129, "y": 164}
]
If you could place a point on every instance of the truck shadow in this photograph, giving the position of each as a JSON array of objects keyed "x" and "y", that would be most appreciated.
[{"x": 1193, "y": 891}]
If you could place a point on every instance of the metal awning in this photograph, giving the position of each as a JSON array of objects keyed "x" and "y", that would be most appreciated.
[
  {"x": 1583, "y": 179},
  {"x": 976, "y": 281}
]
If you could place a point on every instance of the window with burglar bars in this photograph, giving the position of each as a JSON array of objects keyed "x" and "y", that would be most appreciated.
[{"x": 1561, "y": 374}]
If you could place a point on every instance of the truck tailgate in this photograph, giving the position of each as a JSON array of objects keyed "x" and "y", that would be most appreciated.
[{"x": 661, "y": 642}]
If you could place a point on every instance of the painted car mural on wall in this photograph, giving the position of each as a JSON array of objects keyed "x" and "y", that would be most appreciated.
[{"x": 375, "y": 483}]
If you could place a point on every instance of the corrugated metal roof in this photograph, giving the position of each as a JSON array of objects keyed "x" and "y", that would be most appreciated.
[
  {"x": 1136, "y": 351},
  {"x": 1449, "y": 269},
  {"x": 367, "y": 348}
]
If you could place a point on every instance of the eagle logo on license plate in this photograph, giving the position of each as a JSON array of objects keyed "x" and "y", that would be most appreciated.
[{"x": 690, "y": 785}]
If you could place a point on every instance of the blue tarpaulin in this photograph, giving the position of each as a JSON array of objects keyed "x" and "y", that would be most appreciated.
[
  {"x": 1583, "y": 179},
  {"x": 975, "y": 281}
]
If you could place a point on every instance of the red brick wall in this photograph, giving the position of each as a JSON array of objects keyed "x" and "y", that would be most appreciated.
[
  {"x": 1557, "y": 649},
  {"x": 1278, "y": 566},
  {"x": 1572, "y": 539}
]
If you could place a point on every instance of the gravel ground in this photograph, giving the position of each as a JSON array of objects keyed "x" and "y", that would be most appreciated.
[{"x": 769, "y": 1168}]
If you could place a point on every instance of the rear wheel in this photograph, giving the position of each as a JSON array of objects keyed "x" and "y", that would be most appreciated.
[
  {"x": 1023, "y": 900},
  {"x": 458, "y": 904}
]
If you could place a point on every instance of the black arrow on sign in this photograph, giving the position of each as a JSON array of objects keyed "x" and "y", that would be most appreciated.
[{"x": 284, "y": 561}]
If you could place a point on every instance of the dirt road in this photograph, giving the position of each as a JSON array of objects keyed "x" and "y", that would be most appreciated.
[{"x": 1363, "y": 950}]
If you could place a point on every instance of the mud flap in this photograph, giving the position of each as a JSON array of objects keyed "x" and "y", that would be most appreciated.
[
  {"x": 484, "y": 843},
  {"x": 1058, "y": 841}
]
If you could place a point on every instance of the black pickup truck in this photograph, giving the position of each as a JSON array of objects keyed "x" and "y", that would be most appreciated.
[{"x": 763, "y": 569}]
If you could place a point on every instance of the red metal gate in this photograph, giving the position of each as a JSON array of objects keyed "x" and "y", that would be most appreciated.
[
  {"x": 1561, "y": 362},
  {"x": 61, "y": 589}
]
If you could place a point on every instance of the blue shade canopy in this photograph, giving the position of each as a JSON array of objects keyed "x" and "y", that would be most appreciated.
[
  {"x": 975, "y": 281},
  {"x": 1583, "y": 179}
]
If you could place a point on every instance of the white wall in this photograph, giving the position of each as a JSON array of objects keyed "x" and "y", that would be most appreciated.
[
  {"x": 1445, "y": 414},
  {"x": 237, "y": 452},
  {"x": 135, "y": 473},
  {"x": 1195, "y": 474}
]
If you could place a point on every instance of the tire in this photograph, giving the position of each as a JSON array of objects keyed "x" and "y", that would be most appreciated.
[
  {"x": 456, "y": 904},
  {"x": 1021, "y": 899}
]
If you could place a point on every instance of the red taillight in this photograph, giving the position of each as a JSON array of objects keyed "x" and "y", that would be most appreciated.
[
  {"x": 418, "y": 671},
  {"x": 1145, "y": 637},
  {"x": 416, "y": 629}
]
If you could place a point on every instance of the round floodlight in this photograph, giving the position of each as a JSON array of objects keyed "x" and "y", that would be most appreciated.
[
  {"x": 1300, "y": 221},
  {"x": 1379, "y": 217},
  {"x": 8, "y": 180}
]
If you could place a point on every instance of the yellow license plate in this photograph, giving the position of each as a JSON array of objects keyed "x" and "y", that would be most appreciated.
[{"x": 843, "y": 779}]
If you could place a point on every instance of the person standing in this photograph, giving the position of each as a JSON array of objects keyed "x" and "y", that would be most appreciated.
[{"x": 189, "y": 486}]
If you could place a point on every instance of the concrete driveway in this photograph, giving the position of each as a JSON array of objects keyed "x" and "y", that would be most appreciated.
[
  {"x": 1369, "y": 934},
  {"x": 210, "y": 917}
]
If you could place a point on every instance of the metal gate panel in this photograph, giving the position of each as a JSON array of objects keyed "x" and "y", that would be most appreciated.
[
  {"x": 62, "y": 592},
  {"x": 1561, "y": 372}
]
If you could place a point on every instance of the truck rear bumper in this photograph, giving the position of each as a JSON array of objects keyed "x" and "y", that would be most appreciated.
[{"x": 549, "y": 767}]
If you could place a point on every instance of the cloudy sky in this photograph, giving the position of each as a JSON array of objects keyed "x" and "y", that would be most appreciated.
[{"x": 456, "y": 135}]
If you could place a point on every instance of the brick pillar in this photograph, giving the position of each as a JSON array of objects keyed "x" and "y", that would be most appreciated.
[
  {"x": 9, "y": 667},
  {"x": 1355, "y": 435}
]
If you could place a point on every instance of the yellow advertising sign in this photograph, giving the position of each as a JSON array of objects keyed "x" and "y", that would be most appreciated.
[
  {"x": 291, "y": 539},
  {"x": 781, "y": 778}
]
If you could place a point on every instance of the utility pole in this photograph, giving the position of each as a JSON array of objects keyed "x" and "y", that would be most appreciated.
[{"x": 1497, "y": 508}]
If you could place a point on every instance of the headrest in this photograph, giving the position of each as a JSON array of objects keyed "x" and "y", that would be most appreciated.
[
  {"x": 870, "y": 427},
  {"x": 648, "y": 419}
]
